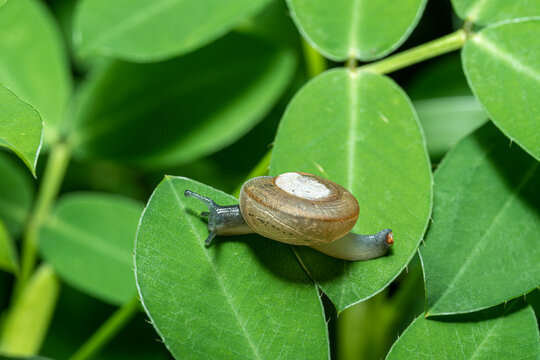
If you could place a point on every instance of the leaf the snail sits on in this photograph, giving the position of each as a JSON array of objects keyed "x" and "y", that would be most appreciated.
[{"x": 300, "y": 209}]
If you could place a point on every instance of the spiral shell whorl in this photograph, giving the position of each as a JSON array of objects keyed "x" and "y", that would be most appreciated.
[{"x": 298, "y": 208}]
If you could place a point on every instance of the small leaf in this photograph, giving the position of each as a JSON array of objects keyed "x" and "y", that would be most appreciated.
[
  {"x": 485, "y": 12},
  {"x": 16, "y": 193},
  {"x": 33, "y": 62},
  {"x": 21, "y": 128},
  {"x": 151, "y": 30},
  {"x": 25, "y": 325},
  {"x": 363, "y": 29},
  {"x": 482, "y": 247},
  {"x": 504, "y": 74},
  {"x": 499, "y": 333},
  {"x": 176, "y": 111},
  {"x": 360, "y": 130},
  {"x": 89, "y": 241},
  {"x": 8, "y": 253},
  {"x": 447, "y": 120},
  {"x": 245, "y": 297}
]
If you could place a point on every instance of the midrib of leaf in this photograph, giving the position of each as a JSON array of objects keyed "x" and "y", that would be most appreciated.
[
  {"x": 500, "y": 54},
  {"x": 216, "y": 273},
  {"x": 491, "y": 330},
  {"x": 353, "y": 114},
  {"x": 354, "y": 28},
  {"x": 481, "y": 242},
  {"x": 94, "y": 242},
  {"x": 144, "y": 14},
  {"x": 475, "y": 9}
]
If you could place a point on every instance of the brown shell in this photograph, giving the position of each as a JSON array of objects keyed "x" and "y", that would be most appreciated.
[{"x": 279, "y": 215}]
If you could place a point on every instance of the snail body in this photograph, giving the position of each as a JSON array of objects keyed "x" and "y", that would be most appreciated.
[{"x": 299, "y": 209}]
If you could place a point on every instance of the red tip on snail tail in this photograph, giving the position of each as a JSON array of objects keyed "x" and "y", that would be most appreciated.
[{"x": 390, "y": 238}]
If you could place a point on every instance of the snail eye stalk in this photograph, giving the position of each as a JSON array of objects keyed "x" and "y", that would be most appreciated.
[{"x": 214, "y": 217}]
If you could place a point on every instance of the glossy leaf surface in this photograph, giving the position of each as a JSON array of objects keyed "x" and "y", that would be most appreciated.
[
  {"x": 150, "y": 30},
  {"x": 244, "y": 297},
  {"x": 21, "y": 128},
  {"x": 176, "y": 111},
  {"x": 16, "y": 194},
  {"x": 363, "y": 29},
  {"x": 33, "y": 61},
  {"x": 504, "y": 74},
  {"x": 360, "y": 130},
  {"x": 491, "y": 11},
  {"x": 497, "y": 333},
  {"x": 89, "y": 241},
  {"x": 482, "y": 247}
]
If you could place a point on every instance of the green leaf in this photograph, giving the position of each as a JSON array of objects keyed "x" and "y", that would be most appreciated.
[
  {"x": 500, "y": 333},
  {"x": 360, "y": 130},
  {"x": 491, "y": 11},
  {"x": 486, "y": 215},
  {"x": 22, "y": 128},
  {"x": 504, "y": 74},
  {"x": 89, "y": 241},
  {"x": 16, "y": 193},
  {"x": 2, "y": 2},
  {"x": 176, "y": 111},
  {"x": 25, "y": 325},
  {"x": 363, "y": 29},
  {"x": 150, "y": 30},
  {"x": 245, "y": 297},
  {"x": 33, "y": 62},
  {"x": 447, "y": 120},
  {"x": 8, "y": 254}
]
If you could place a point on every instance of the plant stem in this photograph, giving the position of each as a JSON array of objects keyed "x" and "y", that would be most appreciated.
[
  {"x": 108, "y": 330},
  {"x": 260, "y": 169},
  {"x": 315, "y": 62},
  {"x": 48, "y": 190},
  {"x": 420, "y": 53}
]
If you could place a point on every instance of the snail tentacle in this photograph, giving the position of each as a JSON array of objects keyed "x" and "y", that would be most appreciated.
[{"x": 222, "y": 220}]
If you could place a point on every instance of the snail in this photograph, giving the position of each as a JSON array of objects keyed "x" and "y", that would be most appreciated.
[{"x": 299, "y": 209}]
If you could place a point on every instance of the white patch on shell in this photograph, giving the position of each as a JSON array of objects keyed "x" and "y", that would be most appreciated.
[{"x": 302, "y": 186}]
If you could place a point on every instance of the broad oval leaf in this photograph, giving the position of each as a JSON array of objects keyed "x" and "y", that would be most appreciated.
[
  {"x": 504, "y": 74},
  {"x": 89, "y": 241},
  {"x": 500, "y": 333},
  {"x": 150, "y": 30},
  {"x": 483, "y": 247},
  {"x": 360, "y": 130},
  {"x": 245, "y": 297},
  {"x": 33, "y": 62},
  {"x": 16, "y": 194},
  {"x": 363, "y": 29},
  {"x": 173, "y": 112},
  {"x": 491, "y": 11},
  {"x": 22, "y": 128},
  {"x": 8, "y": 253}
]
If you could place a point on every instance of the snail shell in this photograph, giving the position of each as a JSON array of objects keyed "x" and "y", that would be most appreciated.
[{"x": 298, "y": 208}]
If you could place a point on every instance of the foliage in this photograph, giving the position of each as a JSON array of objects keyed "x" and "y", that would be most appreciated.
[{"x": 124, "y": 93}]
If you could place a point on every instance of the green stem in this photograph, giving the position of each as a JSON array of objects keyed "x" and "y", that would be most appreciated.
[
  {"x": 107, "y": 331},
  {"x": 48, "y": 190},
  {"x": 260, "y": 169},
  {"x": 315, "y": 63},
  {"x": 420, "y": 53}
]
